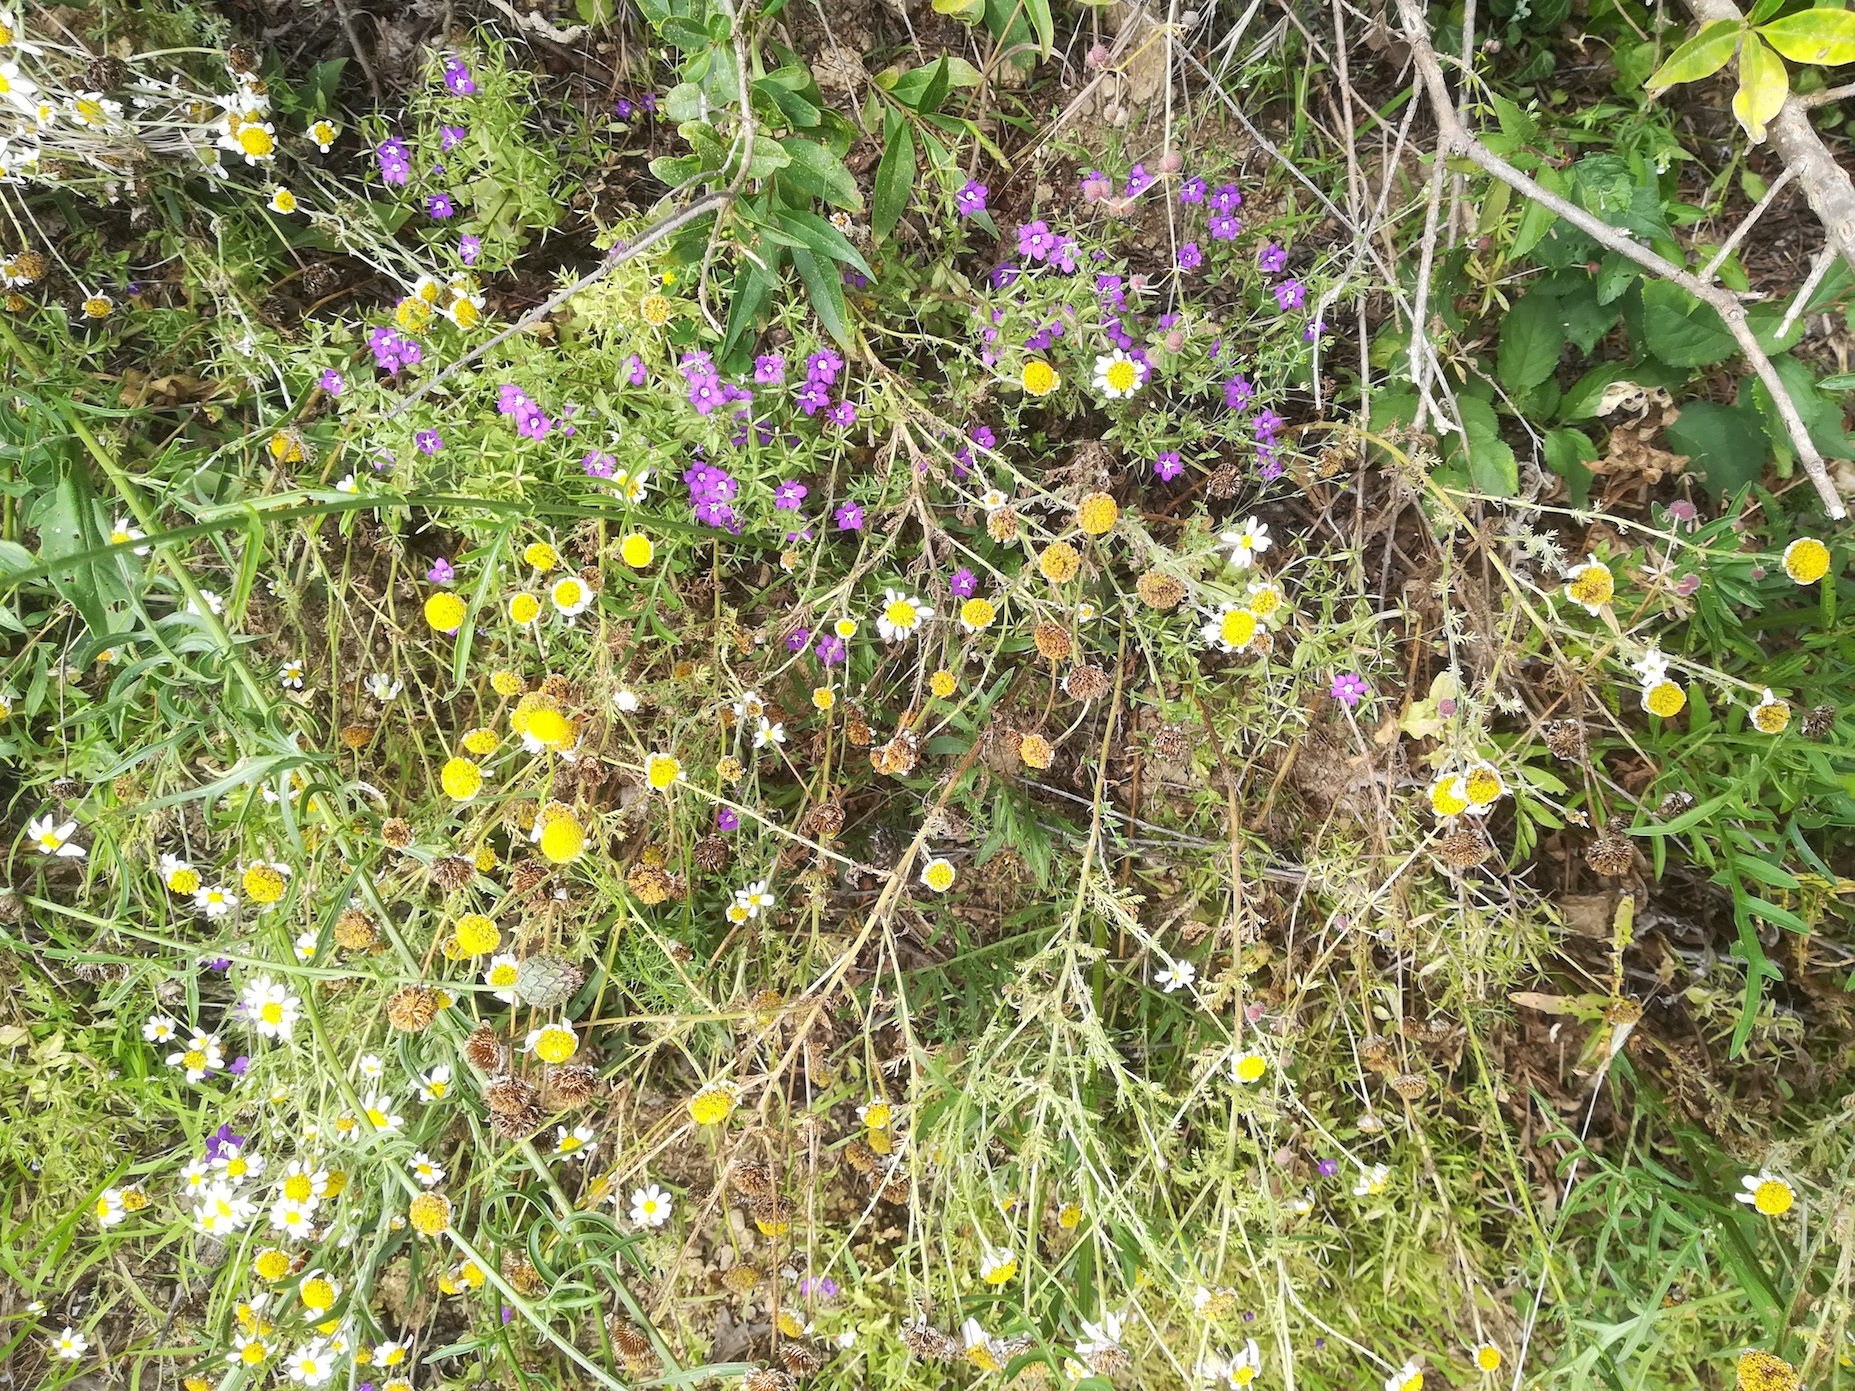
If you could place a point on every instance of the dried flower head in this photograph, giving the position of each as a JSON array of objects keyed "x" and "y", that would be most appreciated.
[
  {"x": 1060, "y": 562},
  {"x": 483, "y": 1049},
  {"x": 412, "y": 1008},
  {"x": 1036, "y": 751},
  {"x": 508, "y": 1096},
  {"x": 397, "y": 832},
  {"x": 355, "y": 931},
  {"x": 1611, "y": 855},
  {"x": 1053, "y": 641}
]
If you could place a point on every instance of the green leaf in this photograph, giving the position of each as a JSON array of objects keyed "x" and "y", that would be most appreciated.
[
  {"x": 1044, "y": 23},
  {"x": 966, "y": 11},
  {"x": 1492, "y": 468},
  {"x": 826, "y": 289},
  {"x": 1682, "y": 331},
  {"x": 1567, "y": 453},
  {"x": 1822, "y": 36},
  {"x": 1763, "y": 86},
  {"x": 938, "y": 86},
  {"x": 680, "y": 33},
  {"x": 895, "y": 177},
  {"x": 1615, "y": 274},
  {"x": 821, "y": 173},
  {"x": 1582, "y": 400},
  {"x": 790, "y": 104},
  {"x": 823, "y": 239},
  {"x": 1531, "y": 340},
  {"x": 1583, "y": 318},
  {"x": 1726, "y": 447},
  {"x": 1701, "y": 56}
]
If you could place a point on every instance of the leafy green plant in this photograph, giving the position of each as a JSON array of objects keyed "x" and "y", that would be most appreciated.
[{"x": 1823, "y": 36}]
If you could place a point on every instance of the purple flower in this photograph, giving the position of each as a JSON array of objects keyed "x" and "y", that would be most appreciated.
[
  {"x": 599, "y": 465},
  {"x": 983, "y": 436},
  {"x": 970, "y": 200},
  {"x": 649, "y": 103},
  {"x": 1168, "y": 465},
  {"x": 1272, "y": 258},
  {"x": 830, "y": 649},
  {"x": 1192, "y": 191},
  {"x": 535, "y": 426},
  {"x": 331, "y": 382},
  {"x": 441, "y": 572},
  {"x": 964, "y": 583},
  {"x": 1226, "y": 198},
  {"x": 770, "y": 369},
  {"x": 798, "y": 637},
  {"x": 457, "y": 78},
  {"x": 632, "y": 370},
  {"x": 1265, "y": 424},
  {"x": 1237, "y": 392},
  {"x": 1004, "y": 275},
  {"x": 1190, "y": 257},
  {"x": 849, "y": 517},
  {"x": 469, "y": 247},
  {"x": 623, "y": 108},
  {"x": 1034, "y": 240},
  {"x": 1687, "y": 585},
  {"x": 395, "y": 162},
  {"x": 727, "y": 819},
  {"x": 1328, "y": 1167},
  {"x": 1139, "y": 181},
  {"x": 440, "y": 206},
  {"x": 1348, "y": 688},
  {"x": 812, "y": 398},
  {"x": 1063, "y": 255},
  {"x": 450, "y": 137},
  {"x": 822, "y": 367},
  {"x": 788, "y": 495},
  {"x": 428, "y": 441},
  {"x": 239, "y": 1065},
  {"x": 1225, "y": 227},
  {"x": 217, "y": 1142},
  {"x": 824, "y": 1287},
  {"x": 1290, "y": 294}
]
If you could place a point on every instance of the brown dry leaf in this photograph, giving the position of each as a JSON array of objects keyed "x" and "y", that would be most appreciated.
[{"x": 177, "y": 388}]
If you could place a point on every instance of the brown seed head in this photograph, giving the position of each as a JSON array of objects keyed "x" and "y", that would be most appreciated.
[
  {"x": 1611, "y": 855},
  {"x": 519, "y": 1271},
  {"x": 648, "y": 883},
  {"x": 528, "y": 876},
  {"x": 1087, "y": 683},
  {"x": 741, "y": 1279},
  {"x": 1565, "y": 738},
  {"x": 1002, "y": 525},
  {"x": 768, "y": 1379},
  {"x": 412, "y": 1008},
  {"x": 571, "y": 1086},
  {"x": 801, "y": 1359},
  {"x": 1158, "y": 590},
  {"x": 713, "y": 854},
  {"x": 516, "y": 1125},
  {"x": 1053, "y": 641},
  {"x": 1464, "y": 849},
  {"x": 483, "y": 1049},
  {"x": 508, "y": 1096},
  {"x": 452, "y": 873},
  {"x": 356, "y": 736},
  {"x": 397, "y": 833},
  {"x": 354, "y": 931}
]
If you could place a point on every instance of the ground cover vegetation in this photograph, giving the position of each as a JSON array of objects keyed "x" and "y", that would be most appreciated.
[{"x": 795, "y": 695}]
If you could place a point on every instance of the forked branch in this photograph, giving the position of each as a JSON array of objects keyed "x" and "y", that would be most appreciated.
[{"x": 1454, "y": 139}]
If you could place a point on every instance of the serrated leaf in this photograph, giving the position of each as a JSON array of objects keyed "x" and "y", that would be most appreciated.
[
  {"x": 1763, "y": 86},
  {"x": 895, "y": 178},
  {"x": 1680, "y": 330},
  {"x": 1531, "y": 340},
  {"x": 1819, "y": 36},
  {"x": 1701, "y": 56}
]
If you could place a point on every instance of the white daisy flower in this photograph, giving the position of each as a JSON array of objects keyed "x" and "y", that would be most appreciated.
[
  {"x": 650, "y": 1207},
  {"x": 1247, "y": 542}
]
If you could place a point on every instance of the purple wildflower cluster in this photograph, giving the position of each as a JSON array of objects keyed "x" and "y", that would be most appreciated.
[
  {"x": 712, "y": 490},
  {"x": 625, "y": 108},
  {"x": 599, "y": 464},
  {"x": 393, "y": 350},
  {"x": 457, "y": 78},
  {"x": 1038, "y": 244},
  {"x": 395, "y": 161},
  {"x": 821, "y": 370},
  {"x": 707, "y": 391},
  {"x": 512, "y": 401},
  {"x": 980, "y": 435}
]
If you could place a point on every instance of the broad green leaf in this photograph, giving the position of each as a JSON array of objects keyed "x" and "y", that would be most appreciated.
[
  {"x": 1531, "y": 340},
  {"x": 1682, "y": 331},
  {"x": 826, "y": 288},
  {"x": 1724, "y": 444},
  {"x": 1567, "y": 453},
  {"x": 1043, "y": 22},
  {"x": 1819, "y": 36},
  {"x": 1581, "y": 401},
  {"x": 895, "y": 178},
  {"x": 823, "y": 239},
  {"x": 821, "y": 173},
  {"x": 966, "y": 11},
  {"x": 1537, "y": 220},
  {"x": 790, "y": 104},
  {"x": 1763, "y": 86},
  {"x": 1701, "y": 56}
]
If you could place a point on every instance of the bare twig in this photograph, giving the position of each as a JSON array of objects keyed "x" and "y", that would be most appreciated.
[
  {"x": 533, "y": 21},
  {"x": 1824, "y": 98},
  {"x": 1739, "y": 232},
  {"x": 1454, "y": 139},
  {"x": 1824, "y": 260}
]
